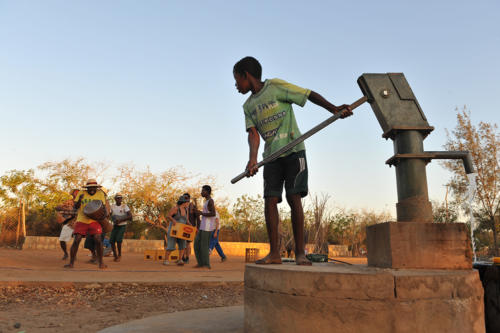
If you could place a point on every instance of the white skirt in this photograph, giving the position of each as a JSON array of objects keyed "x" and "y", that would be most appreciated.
[{"x": 66, "y": 233}]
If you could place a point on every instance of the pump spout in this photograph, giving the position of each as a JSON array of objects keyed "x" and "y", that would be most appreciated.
[{"x": 465, "y": 156}]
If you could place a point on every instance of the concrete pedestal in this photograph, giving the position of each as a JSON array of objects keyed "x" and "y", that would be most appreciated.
[
  {"x": 419, "y": 245},
  {"x": 339, "y": 298}
]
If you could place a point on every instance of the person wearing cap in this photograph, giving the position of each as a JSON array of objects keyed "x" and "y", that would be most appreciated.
[
  {"x": 120, "y": 215},
  {"x": 178, "y": 214},
  {"x": 85, "y": 224}
]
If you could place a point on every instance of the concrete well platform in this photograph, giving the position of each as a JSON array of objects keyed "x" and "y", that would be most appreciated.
[{"x": 340, "y": 298}]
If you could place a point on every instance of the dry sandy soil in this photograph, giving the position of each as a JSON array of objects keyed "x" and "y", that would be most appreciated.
[
  {"x": 39, "y": 295},
  {"x": 91, "y": 307}
]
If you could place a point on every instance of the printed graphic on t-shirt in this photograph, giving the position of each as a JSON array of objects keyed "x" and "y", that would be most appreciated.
[
  {"x": 99, "y": 195},
  {"x": 270, "y": 112}
]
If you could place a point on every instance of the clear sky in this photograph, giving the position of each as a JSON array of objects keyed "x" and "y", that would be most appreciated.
[{"x": 150, "y": 82}]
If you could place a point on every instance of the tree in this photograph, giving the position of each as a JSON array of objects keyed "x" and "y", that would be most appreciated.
[
  {"x": 483, "y": 142},
  {"x": 349, "y": 227},
  {"x": 68, "y": 174},
  {"x": 365, "y": 219},
  {"x": 445, "y": 213},
  {"x": 57, "y": 179},
  {"x": 249, "y": 212},
  {"x": 226, "y": 218},
  {"x": 148, "y": 194},
  {"x": 16, "y": 186},
  {"x": 483, "y": 233},
  {"x": 319, "y": 227},
  {"x": 151, "y": 195},
  {"x": 21, "y": 186},
  {"x": 287, "y": 242},
  {"x": 339, "y": 225}
]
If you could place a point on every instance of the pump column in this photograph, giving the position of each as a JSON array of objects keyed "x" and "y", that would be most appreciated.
[
  {"x": 413, "y": 241},
  {"x": 413, "y": 199}
]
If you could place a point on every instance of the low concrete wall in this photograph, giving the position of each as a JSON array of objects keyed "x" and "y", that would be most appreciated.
[
  {"x": 128, "y": 245},
  {"x": 42, "y": 243},
  {"x": 138, "y": 246},
  {"x": 238, "y": 248}
]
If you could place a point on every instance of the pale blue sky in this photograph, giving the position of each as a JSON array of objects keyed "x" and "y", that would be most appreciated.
[{"x": 150, "y": 82}]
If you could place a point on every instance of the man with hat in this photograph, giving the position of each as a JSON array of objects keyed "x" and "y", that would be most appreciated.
[
  {"x": 85, "y": 225},
  {"x": 120, "y": 214}
]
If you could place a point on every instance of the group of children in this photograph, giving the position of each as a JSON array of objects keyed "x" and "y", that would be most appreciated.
[{"x": 76, "y": 224}]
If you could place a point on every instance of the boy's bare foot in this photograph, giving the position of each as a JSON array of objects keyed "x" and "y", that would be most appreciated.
[
  {"x": 302, "y": 260},
  {"x": 103, "y": 266},
  {"x": 269, "y": 260},
  {"x": 117, "y": 259},
  {"x": 68, "y": 266}
]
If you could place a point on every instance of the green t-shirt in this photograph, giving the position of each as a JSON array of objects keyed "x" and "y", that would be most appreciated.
[{"x": 270, "y": 112}]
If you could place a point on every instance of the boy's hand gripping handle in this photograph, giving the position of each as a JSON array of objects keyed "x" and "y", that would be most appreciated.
[{"x": 301, "y": 138}]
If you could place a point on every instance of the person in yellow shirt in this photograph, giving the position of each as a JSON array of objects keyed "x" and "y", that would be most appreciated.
[{"x": 85, "y": 225}]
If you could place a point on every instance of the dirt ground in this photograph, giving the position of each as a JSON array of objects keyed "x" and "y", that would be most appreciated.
[
  {"x": 92, "y": 307},
  {"x": 38, "y": 295},
  {"x": 47, "y": 266}
]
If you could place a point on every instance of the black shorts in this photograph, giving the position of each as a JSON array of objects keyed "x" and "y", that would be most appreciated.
[{"x": 290, "y": 170}]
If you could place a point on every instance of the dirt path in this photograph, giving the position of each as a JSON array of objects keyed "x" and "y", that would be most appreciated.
[
  {"x": 89, "y": 308},
  {"x": 46, "y": 266},
  {"x": 40, "y": 295},
  {"x": 37, "y": 293}
]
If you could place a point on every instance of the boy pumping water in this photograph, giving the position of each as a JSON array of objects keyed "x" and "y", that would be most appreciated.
[{"x": 269, "y": 114}]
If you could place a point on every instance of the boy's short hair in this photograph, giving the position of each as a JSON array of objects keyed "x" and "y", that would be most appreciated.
[
  {"x": 250, "y": 65},
  {"x": 207, "y": 188}
]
